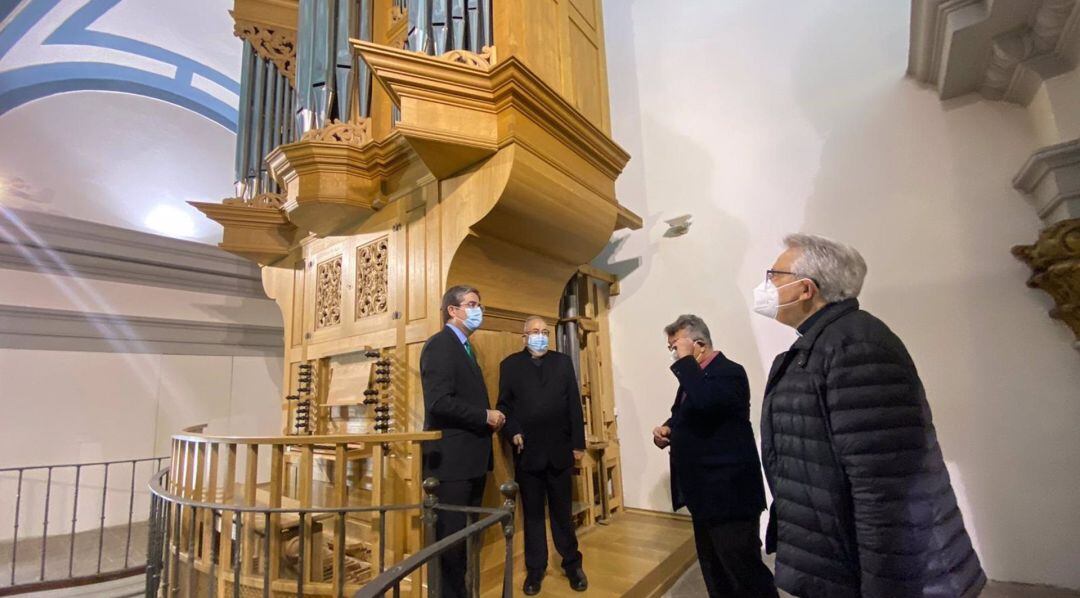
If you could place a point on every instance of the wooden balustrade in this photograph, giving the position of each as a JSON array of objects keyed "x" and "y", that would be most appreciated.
[{"x": 296, "y": 514}]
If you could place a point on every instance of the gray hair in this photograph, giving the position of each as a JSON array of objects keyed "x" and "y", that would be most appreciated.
[
  {"x": 454, "y": 296},
  {"x": 531, "y": 319},
  {"x": 692, "y": 324},
  {"x": 836, "y": 268}
]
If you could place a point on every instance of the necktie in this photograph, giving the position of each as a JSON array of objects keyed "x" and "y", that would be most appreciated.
[{"x": 468, "y": 349}]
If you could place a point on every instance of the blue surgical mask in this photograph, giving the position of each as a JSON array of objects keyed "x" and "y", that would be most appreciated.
[
  {"x": 474, "y": 316},
  {"x": 538, "y": 343}
]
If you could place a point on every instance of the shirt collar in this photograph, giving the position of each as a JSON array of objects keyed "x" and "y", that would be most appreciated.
[
  {"x": 814, "y": 317},
  {"x": 461, "y": 335},
  {"x": 709, "y": 359}
]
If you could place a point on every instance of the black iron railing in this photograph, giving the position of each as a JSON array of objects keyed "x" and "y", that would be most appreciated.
[
  {"x": 390, "y": 580},
  {"x": 181, "y": 557},
  {"x": 74, "y": 524}
]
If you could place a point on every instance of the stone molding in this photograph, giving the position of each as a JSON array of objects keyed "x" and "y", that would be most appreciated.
[
  {"x": 1051, "y": 178},
  {"x": 54, "y": 244},
  {"x": 35, "y": 328},
  {"x": 1003, "y": 49}
]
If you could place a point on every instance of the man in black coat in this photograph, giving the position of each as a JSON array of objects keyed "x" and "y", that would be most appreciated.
[
  {"x": 862, "y": 502},
  {"x": 715, "y": 471},
  {"x": 538, "y": 393},
  {"x": 456, "y": 403}
]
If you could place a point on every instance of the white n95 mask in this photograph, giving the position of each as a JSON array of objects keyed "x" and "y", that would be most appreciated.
[{"x": 767, "y": 298}]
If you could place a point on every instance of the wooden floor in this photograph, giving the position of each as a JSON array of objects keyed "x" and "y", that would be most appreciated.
[{"x": 639, "y": 554}]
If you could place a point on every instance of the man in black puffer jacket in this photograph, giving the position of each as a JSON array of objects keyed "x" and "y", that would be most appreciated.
[{"x": 862, "y": 502}]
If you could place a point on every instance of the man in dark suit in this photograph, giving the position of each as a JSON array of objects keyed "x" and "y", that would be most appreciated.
[
  {"x": 715, "y": 470},
  {"x": 456, "y": 403},
  {"x": 538, "y": 392}
]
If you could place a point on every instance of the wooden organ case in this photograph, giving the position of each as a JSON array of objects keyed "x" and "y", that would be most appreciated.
[{"x": 388, "y": 149}]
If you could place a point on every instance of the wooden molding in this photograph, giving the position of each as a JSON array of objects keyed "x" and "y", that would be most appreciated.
[
  {"x": 272, "y": 14},
  {"x": 1055, "y": 261},
  {"x": 255, "y": 229},
  {"x": 519, "y": 162},
  {"x": 335, "y": 177},
  {"x": 456, "y": 115}
]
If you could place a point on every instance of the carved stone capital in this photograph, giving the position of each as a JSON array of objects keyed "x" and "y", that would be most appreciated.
[
  {"x": 1003, "y": 49},
  {"x": 1055, "y": 261}
]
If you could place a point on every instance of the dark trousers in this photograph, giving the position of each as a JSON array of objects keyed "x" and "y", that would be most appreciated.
[
  {"x": 730, "y": 557},
  {"x": 453, "y": 563},
  {"x": 551, "y": 486}
]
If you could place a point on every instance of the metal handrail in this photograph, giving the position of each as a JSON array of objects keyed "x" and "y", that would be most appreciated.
[
  {"x": 391, "y": 579},
  {"x": 73, "y": 489},
  {"x": 168, "y": 510}
]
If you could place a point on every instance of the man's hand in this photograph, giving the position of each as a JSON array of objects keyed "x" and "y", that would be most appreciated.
[
  {"x": 579, "y": 455},
  {"x": 495, "y": 419},
  {"x": 518, "y": 442},
  {"x": 661, "y": 436},
  {"x": 684, "y": 346}
]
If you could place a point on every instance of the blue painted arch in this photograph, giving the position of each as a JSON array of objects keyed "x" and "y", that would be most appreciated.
[{"x": 26, "y": 84}]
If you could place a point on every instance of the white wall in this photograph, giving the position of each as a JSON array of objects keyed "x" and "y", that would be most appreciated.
[
  {"x": 65, "y": 407},
  {"x": 762, "y": 117},
  {"x": 84, "y": 407}
]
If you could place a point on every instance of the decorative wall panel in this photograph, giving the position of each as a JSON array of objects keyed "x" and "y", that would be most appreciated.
[
  {"x": 372, "y": 288},
  {"x": 328, "y": 294}
]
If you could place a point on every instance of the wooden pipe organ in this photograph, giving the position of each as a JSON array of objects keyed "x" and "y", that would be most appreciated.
[{"x": 388, "y": 149}]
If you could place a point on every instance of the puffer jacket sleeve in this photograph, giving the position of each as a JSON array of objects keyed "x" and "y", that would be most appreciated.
[{"x": 879, "y": 420}]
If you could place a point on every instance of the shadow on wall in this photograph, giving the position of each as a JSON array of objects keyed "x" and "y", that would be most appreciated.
[
  {"x": 924, "y": 191},
  {"x": 698, "y": 273}
]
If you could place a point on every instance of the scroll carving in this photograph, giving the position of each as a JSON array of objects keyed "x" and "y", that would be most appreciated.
[
  {"x": 482, "y": 61},
  {"x": 397, "y": 15},
  {"x": 357, "y": 134},
  {"x": 328, "y": 294},
  {"x": 1055, "y": 261},
  {"x": 262, "y": 200},
  {"x": 372, "y": 280},
  {"x": 275, "y": 45}
]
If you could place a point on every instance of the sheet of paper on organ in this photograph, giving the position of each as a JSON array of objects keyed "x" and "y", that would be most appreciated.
[{"x": 350, "y": 376}]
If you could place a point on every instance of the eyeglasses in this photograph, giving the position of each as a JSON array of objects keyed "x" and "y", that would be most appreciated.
[
  {"x": 470, "y": 305},
  {"x": 697, "y": 341},
  {"x": 543, "y": 332},
  {"x": 770, "y": 274}
]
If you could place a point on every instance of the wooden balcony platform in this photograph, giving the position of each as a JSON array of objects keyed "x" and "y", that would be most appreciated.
[{"x": 638, "y": 554}]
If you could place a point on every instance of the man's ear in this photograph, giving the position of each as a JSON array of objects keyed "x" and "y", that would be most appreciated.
[{"x": 811, "y": 289}]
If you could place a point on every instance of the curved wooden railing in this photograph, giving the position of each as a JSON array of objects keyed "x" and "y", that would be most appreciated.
[{"x": 285, "y": 515}]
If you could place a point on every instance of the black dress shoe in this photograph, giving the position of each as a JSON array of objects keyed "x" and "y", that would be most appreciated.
[
  {"x": 578, "y": 581},
  {"x": 532, "y": 585}
]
